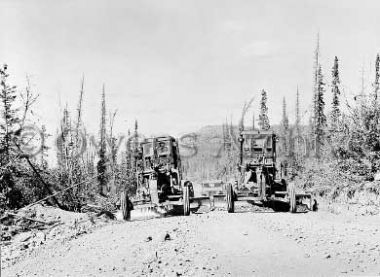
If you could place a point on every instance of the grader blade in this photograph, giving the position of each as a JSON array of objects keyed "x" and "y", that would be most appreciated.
[
  {"x": 147, "y": 212},
  {"x": 219, "y": 201},
  {"x": 201, "y": 201},
  {"x": 200, "y": 204}
]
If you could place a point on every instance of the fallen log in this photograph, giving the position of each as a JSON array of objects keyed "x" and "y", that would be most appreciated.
[{"x": 29, "y": 218}]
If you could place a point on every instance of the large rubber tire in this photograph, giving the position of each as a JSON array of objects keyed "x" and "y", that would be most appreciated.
[
  {"x": 125, "y": 206},
  {"x": 230, "y": 199},
  {"x": 292, "y": 198},
  {"x": 186, "y": 200}
]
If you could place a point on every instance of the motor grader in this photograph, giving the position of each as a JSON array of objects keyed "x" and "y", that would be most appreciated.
[
  {"x": 261, "y": 181},
  {"x": 160, "y": 187}
]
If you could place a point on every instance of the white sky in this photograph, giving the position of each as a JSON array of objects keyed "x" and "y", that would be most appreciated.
[{"x": 180, "y": 65}]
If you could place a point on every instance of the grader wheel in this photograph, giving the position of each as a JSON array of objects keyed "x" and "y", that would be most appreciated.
[
  {"x": 230, "y": 199},
  {"x": 292, "y": 198},
  {"x": 125, "y": 207},
  {"x": 186, "y": 200}
]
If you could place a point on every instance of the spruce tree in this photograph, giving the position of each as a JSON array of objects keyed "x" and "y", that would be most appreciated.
[
  {"x": 136, "y": 145},
  {"x": 263, "y": 117},
  {"x": 9, "y": 118},
  {"x": 77, "y": 168},
  {"x": 374, "y": 122},
  {"x": 298, "y": 115},
  {"x": 227, "y": 140},
  {"x": 315, "y": 84},
  {"x": 319, "y": 115},
  {"x": 376, "y": 84},
  {"x": 285, "y": 128},
  {"x": 335, "y": 113},
  {"x": 102, "y": 163},
  {"x": 8, "y": 135},
  {"x": 128, "y": 152},
  {"x": 134, "y": 158},
  {"x": 297, "y": 128}
]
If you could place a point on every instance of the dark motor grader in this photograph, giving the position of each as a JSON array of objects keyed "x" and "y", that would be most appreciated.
[
  {"x": 260, "y": 179},
  {"x": 159, "y": 180}
]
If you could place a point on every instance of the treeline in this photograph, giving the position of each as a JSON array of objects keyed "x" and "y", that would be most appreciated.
[
  {"x": 347, "y": 136},
  {"x": 88, "y": 167}
]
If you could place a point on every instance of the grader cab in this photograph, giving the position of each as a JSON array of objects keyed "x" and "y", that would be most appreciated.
[
  {"x": 159, "y": 180},
  {"x": 260, "y": 179}
]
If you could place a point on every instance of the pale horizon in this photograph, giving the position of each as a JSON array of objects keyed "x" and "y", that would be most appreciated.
[{"x": 178, "y": 67}]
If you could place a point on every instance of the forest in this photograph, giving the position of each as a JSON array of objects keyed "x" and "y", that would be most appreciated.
[{"x": 336, "y": 154}]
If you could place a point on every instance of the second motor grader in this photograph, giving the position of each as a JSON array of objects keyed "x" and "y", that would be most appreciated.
[
  {"x": 260, "y": 179},
  {"x": 159, "y": 180}
]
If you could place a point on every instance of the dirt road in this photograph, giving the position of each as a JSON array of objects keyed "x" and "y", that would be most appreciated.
[{"x": 217, "y": 244}]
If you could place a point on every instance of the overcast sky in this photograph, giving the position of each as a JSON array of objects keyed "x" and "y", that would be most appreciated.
[{"x": 180, "y": 65}]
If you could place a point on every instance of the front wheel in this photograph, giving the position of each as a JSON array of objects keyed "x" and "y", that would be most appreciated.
[
  {"x": 186, "y": 200},
  {"x": 125, "y": 206},
  {"x": 230, "y": 199}
]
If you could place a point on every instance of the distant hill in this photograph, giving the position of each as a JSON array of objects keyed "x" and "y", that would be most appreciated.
[{"x": 207, "y": 158}]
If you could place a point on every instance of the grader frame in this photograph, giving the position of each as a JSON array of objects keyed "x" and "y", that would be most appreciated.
[
  {"x": 260, "y": 179},
  {"x": 159, "y": 179}
]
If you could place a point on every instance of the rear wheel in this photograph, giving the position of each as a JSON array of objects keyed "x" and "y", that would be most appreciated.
[
  {"x": 230, "y": 199},
  {"x": 125, "y": 206},
  {"x": 186, "y": 200},
  {"x": 292, "y": 198}
]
